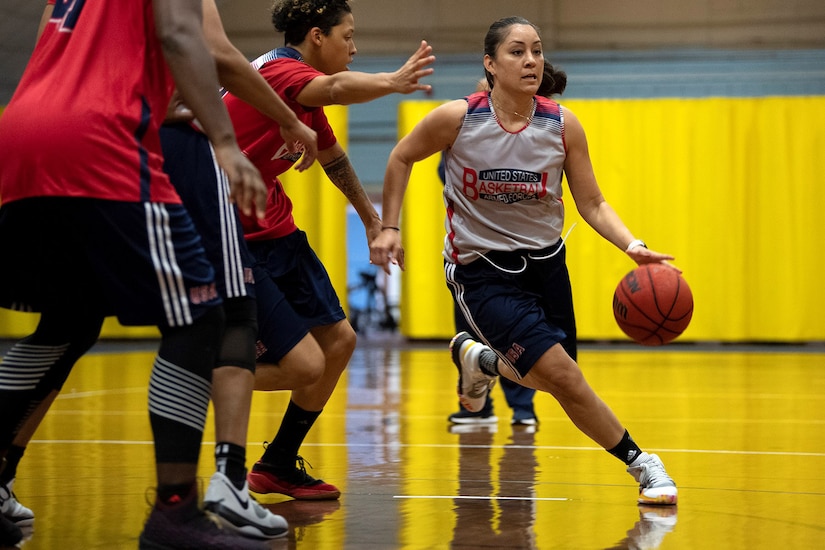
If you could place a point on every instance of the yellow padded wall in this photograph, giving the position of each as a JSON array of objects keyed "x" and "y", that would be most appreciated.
[
  {"x": 426, "y": 304},
  {"x": 320, "y": 208},
  {"x": 733, "y": 187}
]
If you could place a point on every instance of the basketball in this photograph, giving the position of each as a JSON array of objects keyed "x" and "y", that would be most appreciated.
[{"x": 653, "y": 304}]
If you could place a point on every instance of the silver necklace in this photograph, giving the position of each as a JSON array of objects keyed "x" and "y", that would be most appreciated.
[{"x": 498, "y": 107}]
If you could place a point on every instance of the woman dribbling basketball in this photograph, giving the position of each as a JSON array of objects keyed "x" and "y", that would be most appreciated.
[{"x": 506, "y": 151}]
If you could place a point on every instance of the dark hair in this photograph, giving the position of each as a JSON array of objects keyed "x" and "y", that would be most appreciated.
[
  {"x": 553, "y": 80},
  {"x": 294, "y": 18}
]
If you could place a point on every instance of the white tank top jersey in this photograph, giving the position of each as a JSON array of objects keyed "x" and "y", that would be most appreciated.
[{"x": 503, "y": 189}]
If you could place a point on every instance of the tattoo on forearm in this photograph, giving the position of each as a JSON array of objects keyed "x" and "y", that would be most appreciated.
[{"x": 343, "y": 176}]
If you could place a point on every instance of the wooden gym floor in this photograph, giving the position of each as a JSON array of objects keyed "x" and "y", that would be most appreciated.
[{"x": 741, "y": 430}]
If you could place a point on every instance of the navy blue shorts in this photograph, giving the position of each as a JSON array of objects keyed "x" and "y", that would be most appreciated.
[
  {"x": 204, "y": 189},
  {"x": 294, "y": 294},
  {"x": 519, "y": 303},
  {"x": 142, "y": 262}
]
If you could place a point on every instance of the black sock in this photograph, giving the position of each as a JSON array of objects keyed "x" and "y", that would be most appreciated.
[
  {"x": 230, "y": 460},
  {"x": 488, "y": 362},
  {"x": 283, "y": 450},
  {"x": 627, "y": 451},
  {"x": 174, "y": 494},
  {"x": 13, "y": 457}
]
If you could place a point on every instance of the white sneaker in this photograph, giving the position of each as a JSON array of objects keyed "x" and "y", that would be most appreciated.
[
  {"x": 12, "y": 509},
  {"x": 654, "y": 523},
  {"x": 473, "y": 383},
  {"x": 655, "y": 486},
  {"x": 239, "y": 512},
  {"x": 473, "y": 428}
]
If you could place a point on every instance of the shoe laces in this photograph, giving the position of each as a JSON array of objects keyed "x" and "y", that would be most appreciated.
[
  {"x": 653, "y": 473},
  {"x": 298, "y": 475},
  {"x": 6, "y": 492},
  {"x": 300, "y": 460},
  {"x": 301, "y": 471}
]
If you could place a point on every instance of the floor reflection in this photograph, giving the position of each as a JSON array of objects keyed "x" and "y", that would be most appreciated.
[
  {"x": 301, "y": 514},
  {"x": 648, "y": 533},
  {"x": 500, "y": 511},
  {"x": 741, "y": 433}
]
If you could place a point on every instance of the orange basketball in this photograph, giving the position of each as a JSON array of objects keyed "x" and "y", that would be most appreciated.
[{"x": 653, "y": 304}]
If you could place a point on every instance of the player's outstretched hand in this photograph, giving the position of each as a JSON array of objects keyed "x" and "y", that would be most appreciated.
[
  {"x": 407, "y": 78},
  {"x": 300, "y": 137},
  {"x": 246, "y": 188},
  {"x": 386, "y": 249}
]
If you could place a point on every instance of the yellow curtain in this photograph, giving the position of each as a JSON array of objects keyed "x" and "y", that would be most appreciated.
[
  {"x": 320, "y": 208},
  {"x": 732, "y": 187},
  {"x": 425, "y": 303}
]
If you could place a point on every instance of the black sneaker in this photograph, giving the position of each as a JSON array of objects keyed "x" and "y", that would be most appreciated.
[
  {"x": 484, "y": 416},
  {"x": 464, "y": 416},
  {"x": 10, "y": 534},
  {"x": 184, "y": 526}
]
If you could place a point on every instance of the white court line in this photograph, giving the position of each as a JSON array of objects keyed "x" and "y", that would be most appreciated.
[
  {"x": 91, "y": 442},
  {"x": 563, "y": 448},
  {"x": 453, "y": 446},
  {"x": 463, "y": 497}
]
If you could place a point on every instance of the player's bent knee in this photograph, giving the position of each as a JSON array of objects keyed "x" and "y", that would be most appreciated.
[
  {"x": 348, "y": 338},
  {"x": 557, "y": 374},
  {"x": 338, "y": 344},
  {"x": 315, "y": 365}
]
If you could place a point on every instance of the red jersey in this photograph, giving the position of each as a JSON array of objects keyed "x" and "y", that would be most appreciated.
[
  {"x": 260, "y": 139},
  {"x": 84, "y": 119}
]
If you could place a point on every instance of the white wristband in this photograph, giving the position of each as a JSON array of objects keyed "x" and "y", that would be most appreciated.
[{"x": 634, "y": 243}]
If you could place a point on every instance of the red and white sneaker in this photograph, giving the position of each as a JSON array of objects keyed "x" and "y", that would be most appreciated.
[{"x": 295, "y": 482}]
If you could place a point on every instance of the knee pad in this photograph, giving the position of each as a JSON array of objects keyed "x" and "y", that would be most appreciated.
[
  {"x": 240, "y": 335},
  {"x": 194, "y": 347}
]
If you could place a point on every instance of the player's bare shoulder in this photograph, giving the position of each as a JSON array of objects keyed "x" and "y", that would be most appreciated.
[{"x": 449, "y": 117}]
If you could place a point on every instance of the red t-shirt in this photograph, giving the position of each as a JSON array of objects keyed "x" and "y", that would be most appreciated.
[
  {"x": 84, "y": 119},
  {"x": 260, "y": 139}
]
